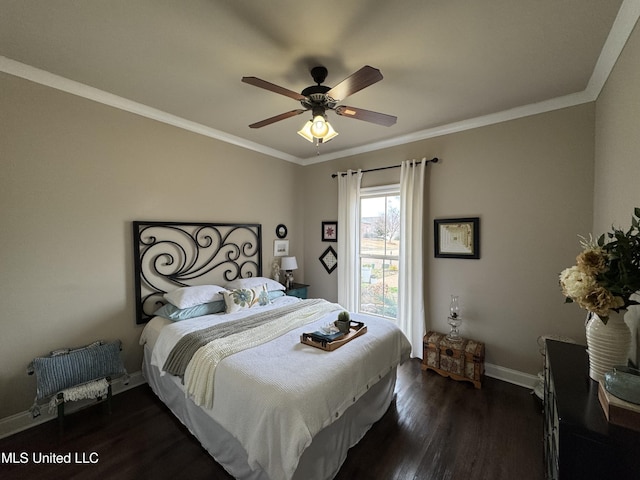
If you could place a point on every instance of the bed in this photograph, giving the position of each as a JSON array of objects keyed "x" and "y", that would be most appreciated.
[{"x": 264, "y": 405}]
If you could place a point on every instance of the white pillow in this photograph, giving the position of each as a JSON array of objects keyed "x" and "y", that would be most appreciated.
[
  {"x": 241, "y": 298},
  {"x": 186, "y": 297},
  {"x": 253, "y": 282}
]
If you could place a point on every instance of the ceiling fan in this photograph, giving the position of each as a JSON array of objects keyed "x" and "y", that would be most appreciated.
[{"x": 320, "y": 98}]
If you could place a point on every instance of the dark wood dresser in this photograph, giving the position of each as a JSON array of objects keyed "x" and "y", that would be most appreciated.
[{"x": 579, "y": 442}]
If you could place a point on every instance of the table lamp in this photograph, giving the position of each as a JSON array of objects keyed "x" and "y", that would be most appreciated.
[{"x": 288, "y": 264}]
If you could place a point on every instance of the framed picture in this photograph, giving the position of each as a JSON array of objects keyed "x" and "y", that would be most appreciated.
[
  {"x": 281, "y": 248},
  {"x": 457, "y": 237},
  {"x": 281, "y": 231},
  {"x": 329, "y": 231},
  {"x": 329, "y": 259}
]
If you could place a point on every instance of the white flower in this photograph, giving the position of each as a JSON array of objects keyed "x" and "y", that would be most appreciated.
[{"x": 576, "y": 283}]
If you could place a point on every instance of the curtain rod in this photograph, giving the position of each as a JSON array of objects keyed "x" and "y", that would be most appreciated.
[{"x": 433, "y": 160}]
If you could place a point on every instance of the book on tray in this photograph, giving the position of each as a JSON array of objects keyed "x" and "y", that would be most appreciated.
[{"x": 326, "y": 337}]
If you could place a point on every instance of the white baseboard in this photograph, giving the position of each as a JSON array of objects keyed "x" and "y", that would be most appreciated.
[
  {"x": 24, "y": 420},
  {"x": 511, "y": 376}
]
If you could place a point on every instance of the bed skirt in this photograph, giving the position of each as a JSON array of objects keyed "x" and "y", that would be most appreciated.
[{"x": 320, "y": 461}]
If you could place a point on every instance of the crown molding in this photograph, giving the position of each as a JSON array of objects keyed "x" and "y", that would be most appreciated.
[
  {"x": 619, "y": 34},
  {"x": 58, "y": 82},
  {"x": 482, "y": 121}
]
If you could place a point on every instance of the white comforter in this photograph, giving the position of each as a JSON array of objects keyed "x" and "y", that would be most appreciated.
[{"x": 275, "y": 397}]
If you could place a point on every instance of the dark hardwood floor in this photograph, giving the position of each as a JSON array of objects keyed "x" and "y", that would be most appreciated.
[{"x": 435, "y": 429}]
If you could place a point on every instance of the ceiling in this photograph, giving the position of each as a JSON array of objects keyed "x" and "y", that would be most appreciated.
[{"x": 447, "y": 64}]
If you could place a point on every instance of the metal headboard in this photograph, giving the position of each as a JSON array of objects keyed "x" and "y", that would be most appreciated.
[{"x": 169, "y": 255}]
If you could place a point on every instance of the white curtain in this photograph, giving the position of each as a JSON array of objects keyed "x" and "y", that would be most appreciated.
[
  {"x": 348, "y": 238},
  {"x": 410, "y": 284}
]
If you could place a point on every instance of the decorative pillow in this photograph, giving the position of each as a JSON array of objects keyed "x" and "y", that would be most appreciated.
[
  {"x": 273, "y": 294},
  {"x": 67, "y": 368},
  {"x": 253, "y": 282},
  {"x": 245, "y": 298},
  {"x": 176, "y": 314},
  {"x": 186, "y": 297}
]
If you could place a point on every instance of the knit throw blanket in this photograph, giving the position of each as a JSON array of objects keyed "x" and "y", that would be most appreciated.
[
  {"x": 95, "y": 389},
  {"x": 210, "y": 346}
]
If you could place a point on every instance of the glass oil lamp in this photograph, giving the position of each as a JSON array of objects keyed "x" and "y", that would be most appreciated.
[{"x": 454, "y": 319}]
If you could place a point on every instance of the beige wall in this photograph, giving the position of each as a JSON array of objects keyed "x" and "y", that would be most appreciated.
[
  {"x": 75, "y": 174},
  {"x": 617, "y": 155},
  {"x": 531, "y": 183}
]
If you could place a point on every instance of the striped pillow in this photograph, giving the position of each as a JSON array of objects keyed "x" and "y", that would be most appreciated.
[{"x": 67, "y": 368}]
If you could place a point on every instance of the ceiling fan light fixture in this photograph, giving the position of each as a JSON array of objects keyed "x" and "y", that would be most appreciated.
[
  {"x": 317, "y": 129},
  {"x": 319, "y": 98}
]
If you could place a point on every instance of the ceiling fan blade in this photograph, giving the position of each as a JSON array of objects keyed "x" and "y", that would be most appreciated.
[
  {"x": 277, "y": 118},
  {"x": 257, "y": 82},
  {"x": 366, "y": 115},
  {"x": 354, "y": 83}
]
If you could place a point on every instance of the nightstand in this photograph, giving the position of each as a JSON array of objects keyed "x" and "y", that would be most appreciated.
[{"x": 297, "y": 290}]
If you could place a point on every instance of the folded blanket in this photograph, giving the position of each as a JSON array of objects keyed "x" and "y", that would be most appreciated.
[{"x": 200, "y": 371}]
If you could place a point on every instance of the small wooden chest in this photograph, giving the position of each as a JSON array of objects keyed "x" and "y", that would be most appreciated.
[{"x": 461, "y": 360}]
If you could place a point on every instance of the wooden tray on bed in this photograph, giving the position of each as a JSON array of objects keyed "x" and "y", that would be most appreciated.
[{"x": 355, "y": 330}]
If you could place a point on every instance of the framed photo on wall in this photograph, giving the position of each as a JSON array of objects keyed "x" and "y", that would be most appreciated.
[
  {"x": 330, "y": 231},
  {"x": 457, "y": 237},
  {"x": 280, "y": 248}
]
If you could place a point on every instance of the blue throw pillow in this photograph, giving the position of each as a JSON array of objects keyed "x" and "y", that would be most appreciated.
[
  {"x": 176, "y": 314},
  {"x": 68, "y": 368}
]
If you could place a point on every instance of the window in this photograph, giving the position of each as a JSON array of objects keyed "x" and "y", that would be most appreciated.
[{"x": 379, "y": 250}]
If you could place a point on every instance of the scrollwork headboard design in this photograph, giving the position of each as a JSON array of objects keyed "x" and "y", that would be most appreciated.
[{"x": 169, "y": 255}]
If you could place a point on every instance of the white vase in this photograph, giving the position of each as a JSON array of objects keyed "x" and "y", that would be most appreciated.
[{"x": 608, "y": 345}]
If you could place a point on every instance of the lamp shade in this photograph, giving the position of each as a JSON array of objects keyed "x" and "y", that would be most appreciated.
[
  {"x": 306, "y": 131},
  {"x": 330, "y": 133},
  {"x": 288, "y": 263},
  {"x": 323, "y": 131}
]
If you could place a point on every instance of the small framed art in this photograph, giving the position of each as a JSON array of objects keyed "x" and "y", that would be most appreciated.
[
  {"x": 281, "y": 231},
  {"x": 329, "y": 231},
  {"x": 329, "y": 259},
  {"x": 457, "y": 237},
  {"x": 280, "y": 248}
]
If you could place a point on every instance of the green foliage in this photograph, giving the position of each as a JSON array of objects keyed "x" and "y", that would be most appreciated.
[{"x": 622, "y": 277}]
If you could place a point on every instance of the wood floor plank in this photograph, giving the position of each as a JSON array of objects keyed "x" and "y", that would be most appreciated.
[{"x": 435, "y": 429}]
